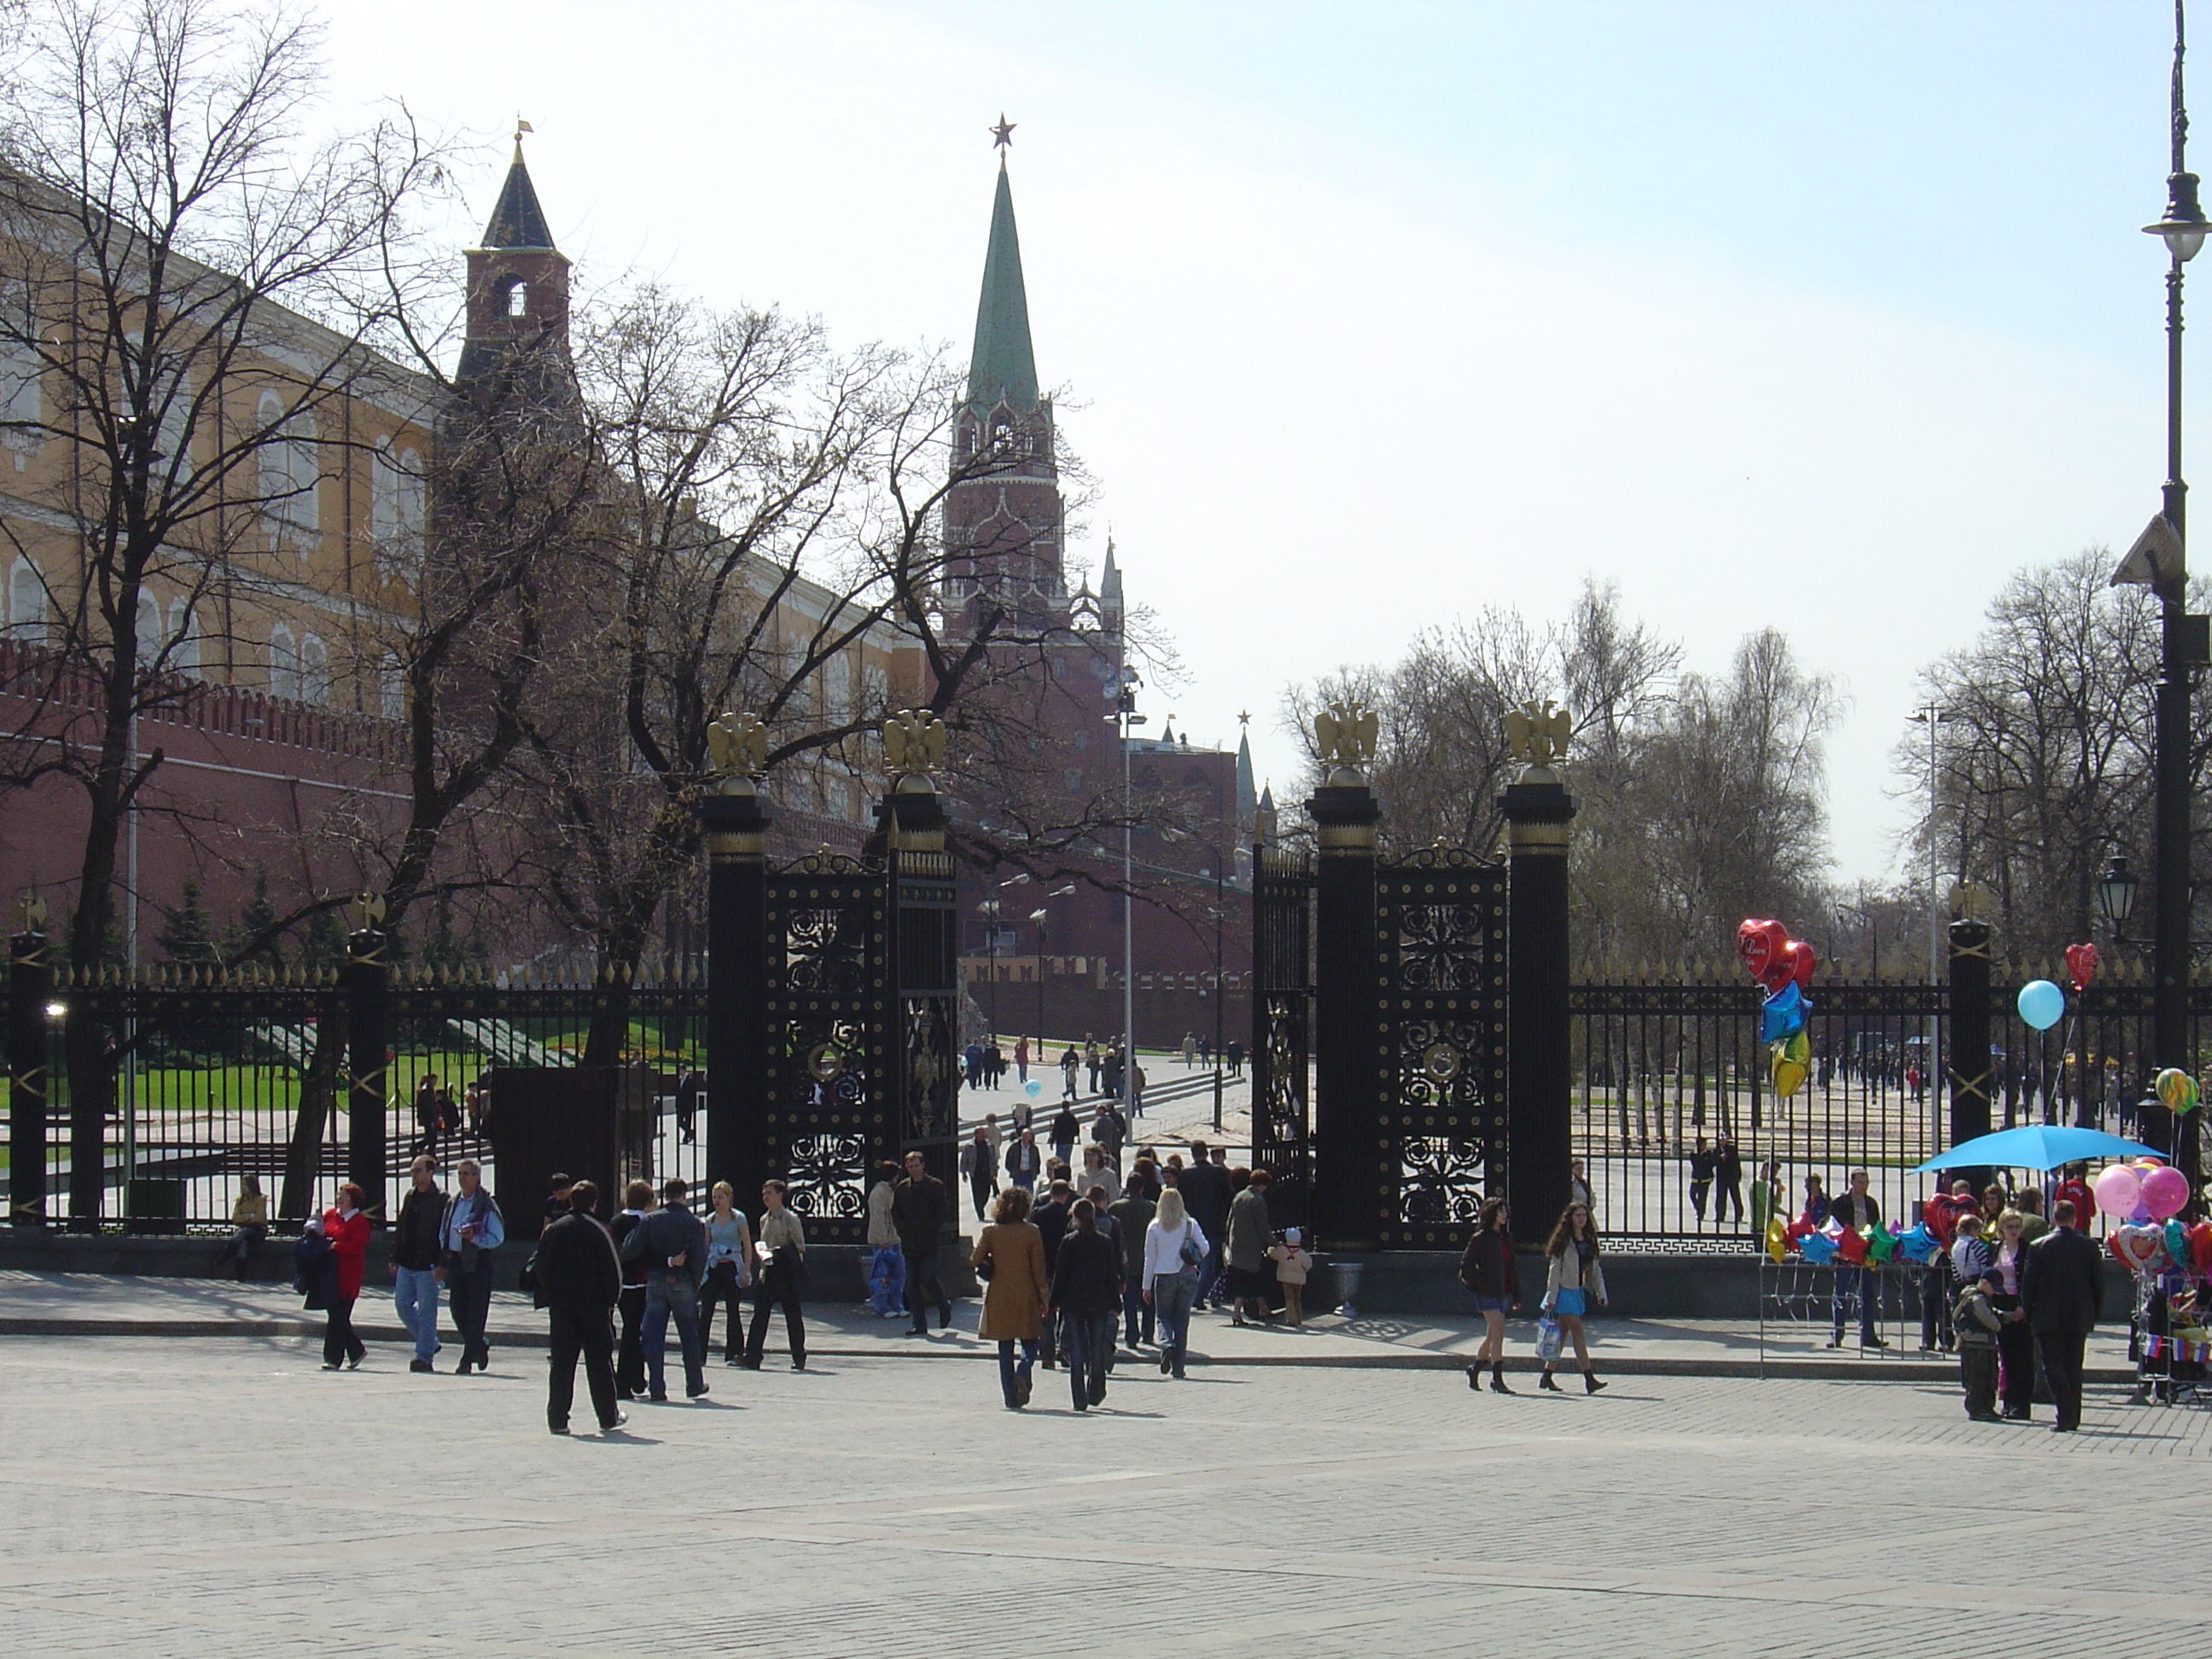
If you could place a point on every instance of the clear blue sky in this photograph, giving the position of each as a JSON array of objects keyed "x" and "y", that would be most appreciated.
[{"x": 1826, "y": 317}]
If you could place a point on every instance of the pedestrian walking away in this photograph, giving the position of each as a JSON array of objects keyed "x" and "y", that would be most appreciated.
[
  {"x": 922, "y": 1213},
  {"x": 673, "y": 1244},
  {"x": 1009, "y": 1258},
  {"x": 1702, "y": 1163},
  {"x": 1577, "y": 1278},
  {"x": 782, "y": 1279},
  {"x": 579, "y": 1281},
  {"x": 629, "y": 1349},
  {"x": 1175, "y": 1251},
  {"x": 1249, "y": 1272},
  {"x": 1488, "y": 1269},
  {"x": 346, "y": 1228},
  {"x": 1131, "y": 1215},
  {"x": 415, "y": 1261},
  {"x": 1086, "y": 1292},
  {"x": 729, "y": 1271},
  {"x": 2062, "y": 1291},
  {"x": 470, "y": 1228},
  {"x": 1070, "y": 1063},
  {"x": 1205, "y": 1188},
  {"x": 249, "y": 1226},
  {"x": 1066, "y": 1132}
]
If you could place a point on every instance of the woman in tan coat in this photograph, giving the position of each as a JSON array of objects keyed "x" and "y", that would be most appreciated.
[{"x": 1010, "y": 1255}]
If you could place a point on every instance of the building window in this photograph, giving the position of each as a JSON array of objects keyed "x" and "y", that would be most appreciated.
[
  {"x": 391, "y": 687},
  {"x": 284, "y": 663},
  {"x": 20, "y": 365},
  {"x": 184, "y": 639},
  {"x": 396, "y": 504},
  {"x": 27, "y": 603},
  {"x": 288, "y": 467},
  {"x": 516, "y": 300},
  {"x": 314, "y": 671},
  {"x": 147, "y": 646}
]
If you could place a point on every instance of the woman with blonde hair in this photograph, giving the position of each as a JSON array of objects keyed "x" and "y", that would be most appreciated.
[
  {"x": 1009, "y": 1257},
  {"x": 729, "y": 1270},
  {"x": 1174, "y": 1250},
  {"x": 1576, "y": 1278}
]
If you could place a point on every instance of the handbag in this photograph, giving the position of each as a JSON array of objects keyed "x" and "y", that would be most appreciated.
[
  {"x": 1547, "y": 1338},
  {"x": 527, "y": 1280},
  {"x": 1189, "y": 1255}
]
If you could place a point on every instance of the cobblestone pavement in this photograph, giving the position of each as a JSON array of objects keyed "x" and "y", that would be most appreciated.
[{"x": 169, "y": 1497}]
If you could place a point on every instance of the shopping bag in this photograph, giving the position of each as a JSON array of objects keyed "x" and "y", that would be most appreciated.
[{"x": 1547, "y": 1338}]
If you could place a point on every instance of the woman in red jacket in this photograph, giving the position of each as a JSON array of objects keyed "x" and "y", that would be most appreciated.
[{"x": 347, "y": 1229}]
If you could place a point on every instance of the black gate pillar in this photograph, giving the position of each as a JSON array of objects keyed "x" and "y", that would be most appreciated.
[
  {"x": 1539, "y": 1067},
  {"x": 368, "y": 1048},
  {"x": 1349, "y": 1172},
  {"x": 736, "y": 818},
  {"x": 30, "y": 988},
  {"x": 925, "y": 995},
  {"x": 1968, "y": 1062}
]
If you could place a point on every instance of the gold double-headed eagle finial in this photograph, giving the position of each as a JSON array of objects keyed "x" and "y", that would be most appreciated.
[
  {"x": 1537, "y": 731},
  {"x": 1344, "y": 733},
  {"x": 914, "y": 741},
  {"x": 737, "y": 750},
  {"x": 365, "y": 911},
  {"x": 30, "y": 912}
]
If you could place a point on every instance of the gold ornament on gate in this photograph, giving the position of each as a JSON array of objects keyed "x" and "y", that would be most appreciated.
[
  {"x": 737, "y": 751},
  {"x": 914, "y": 741},
  {"x": 1537, "y": 731},
  {"x": 1344, "y": 734}
]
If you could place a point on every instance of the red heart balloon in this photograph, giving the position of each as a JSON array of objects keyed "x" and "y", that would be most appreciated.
[
  {"x": 1799, "y": 955},
  {"x": 2082, "y": 965},
  {"x": 1760, "y": 944}
]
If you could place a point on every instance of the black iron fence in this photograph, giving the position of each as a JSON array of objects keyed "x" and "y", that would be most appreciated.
[
  {"x": 190, "y": 1085},
  {"x": 1676, "y": 1120}
]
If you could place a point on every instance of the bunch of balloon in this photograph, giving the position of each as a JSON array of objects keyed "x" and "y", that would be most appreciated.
[
  {"x": 2146, "y": 1196},
  {"x": 1783, "y": 967}
]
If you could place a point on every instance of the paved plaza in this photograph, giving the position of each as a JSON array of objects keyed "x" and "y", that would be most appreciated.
[{"x": 176, "y": 1496}]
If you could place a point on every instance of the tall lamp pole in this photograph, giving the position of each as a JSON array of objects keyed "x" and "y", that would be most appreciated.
[
  {"x": 1932, "y": 715},
  {"x": 2158, "y": 560},
  {"x": 1126, "y": 718}
]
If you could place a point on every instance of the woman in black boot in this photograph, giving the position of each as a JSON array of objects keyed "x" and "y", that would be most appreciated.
[
  {"x": 1576, "y": 1278},
  {"x": 1487, "y": 1268}
]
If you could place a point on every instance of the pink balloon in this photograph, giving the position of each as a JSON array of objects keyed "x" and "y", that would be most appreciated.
[
  {"x": 2165, "y": 1191},
  {"x": 2117, "y": 1190}
]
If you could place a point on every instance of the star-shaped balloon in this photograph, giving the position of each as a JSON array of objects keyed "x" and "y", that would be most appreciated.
[{"x": 1002, "y": 135}]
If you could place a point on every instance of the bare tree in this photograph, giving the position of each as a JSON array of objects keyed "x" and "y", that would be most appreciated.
[{"x": 172, "y": 248}]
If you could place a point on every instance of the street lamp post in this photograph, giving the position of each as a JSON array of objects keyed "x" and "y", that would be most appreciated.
[
  {"x": 2158, "y": 560},
  {"x": 988, "y": 909},
  {"x": 1932, "y": 715},
  {"x": 1125, "y": 718}
]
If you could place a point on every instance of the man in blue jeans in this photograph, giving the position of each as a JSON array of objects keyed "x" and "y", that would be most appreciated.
[
  {"x": 468, "y": 1230},
  {"x": 415, "y": 1261},
  {"x": 671, "y": 1243}
]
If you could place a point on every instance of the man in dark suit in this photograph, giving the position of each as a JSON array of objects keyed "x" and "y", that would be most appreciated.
[
  {"x": 920, "y": 1210},
  {"x": 579, "y": 1281},
  {"x": 2062, "y": 1288}
]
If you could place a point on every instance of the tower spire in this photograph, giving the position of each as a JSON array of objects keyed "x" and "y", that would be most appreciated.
[
  {"x": 1003, "y": 366},
  {"x": 517, "y": 221}
]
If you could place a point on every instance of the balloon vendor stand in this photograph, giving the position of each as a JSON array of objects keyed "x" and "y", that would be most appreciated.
[{"x": 1798, "y": 1299}]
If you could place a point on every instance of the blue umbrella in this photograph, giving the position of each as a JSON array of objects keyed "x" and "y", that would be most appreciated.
[{"x": 2037, "y": 1146}]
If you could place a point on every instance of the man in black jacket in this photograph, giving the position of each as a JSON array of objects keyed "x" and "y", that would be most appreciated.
[
  {"x": 579, "y": 1281},
  {"x": 415, "y": 1261},
  {"x": 1086, "y": 1294},
  {"x": 920, "y": 1212},
  {"x": 1205, "y": 1189},
  {"x": 2061, "y": 1289},
  {"x": 671, "y": 1243}
]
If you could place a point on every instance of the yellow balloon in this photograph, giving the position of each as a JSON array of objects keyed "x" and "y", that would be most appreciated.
[{"x": 1777, "y": 1237}]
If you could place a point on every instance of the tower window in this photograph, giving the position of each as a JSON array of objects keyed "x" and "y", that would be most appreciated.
[{"x": 518, "y": 299}]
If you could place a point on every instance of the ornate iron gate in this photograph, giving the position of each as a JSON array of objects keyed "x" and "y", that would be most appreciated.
[
  {"x": 830, "y": 1091},
  {"x": 1282, "y": 1007},
  {"x": 1440, "y": 1032}
]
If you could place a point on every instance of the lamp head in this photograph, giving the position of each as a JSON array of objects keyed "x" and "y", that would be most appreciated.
[
  {"x": 2116, "y": 891},
  {"x": 2184, "y": 227}
]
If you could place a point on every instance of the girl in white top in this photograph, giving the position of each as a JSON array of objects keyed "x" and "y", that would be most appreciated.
[{"x": 1170, "y": 1280}]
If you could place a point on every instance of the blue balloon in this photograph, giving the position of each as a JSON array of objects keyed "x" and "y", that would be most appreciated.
[
  {"x": 1033, "y": 1088},
  {"x": 1817, "y": 1248},
  {"x": 1917, "y": 1243},
  {"x": 2042, "y": 1004},
  {"x": 1782, "y": 1014}
]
